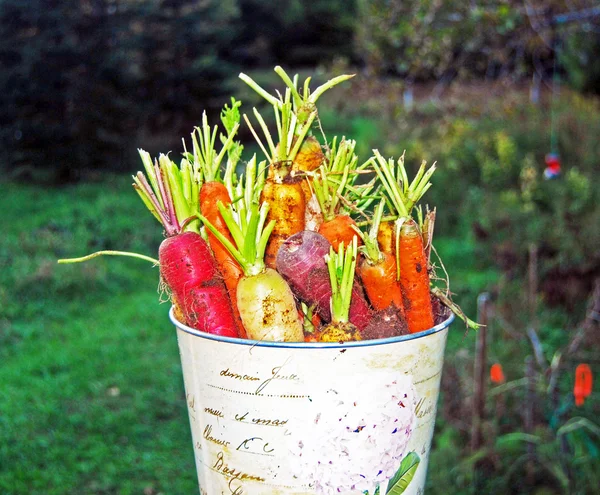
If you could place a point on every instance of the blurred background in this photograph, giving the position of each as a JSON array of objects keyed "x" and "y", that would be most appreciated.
[{"x": 503, "y": 94}]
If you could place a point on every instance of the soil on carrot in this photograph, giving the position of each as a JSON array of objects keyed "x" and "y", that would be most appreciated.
[
  {"x": 440, "y": 312},
  {"x": 385, "y": 324}
]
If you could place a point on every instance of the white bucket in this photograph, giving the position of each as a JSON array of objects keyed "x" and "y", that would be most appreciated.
[{"x": 306, "y": 419}]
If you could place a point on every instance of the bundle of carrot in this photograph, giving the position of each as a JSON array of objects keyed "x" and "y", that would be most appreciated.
[{"x": 309, "y": 244}]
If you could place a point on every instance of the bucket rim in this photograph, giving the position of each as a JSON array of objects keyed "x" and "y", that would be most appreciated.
[{"x": 310, "y": 345}]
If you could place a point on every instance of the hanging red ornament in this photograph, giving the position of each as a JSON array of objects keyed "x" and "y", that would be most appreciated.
[
  {"x": 497, "y": 374},
  {"x": 552, "y": 170},
  {"x": 583, "y": 383}
]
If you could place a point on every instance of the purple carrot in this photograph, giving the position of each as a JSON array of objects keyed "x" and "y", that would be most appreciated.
[{"x": 301, "y": 261}]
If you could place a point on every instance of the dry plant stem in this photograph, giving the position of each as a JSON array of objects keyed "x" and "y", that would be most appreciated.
[
  {"x": 479, "y": 385},
  {"x": 427, "y": 229},
  {"x": 591, "y": 321},
  {"x": 532, "y": 286},
  {"x": 529, "y": 418}
]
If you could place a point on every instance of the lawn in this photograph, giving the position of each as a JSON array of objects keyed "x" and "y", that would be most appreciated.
[{"x": 92, "y": 394}]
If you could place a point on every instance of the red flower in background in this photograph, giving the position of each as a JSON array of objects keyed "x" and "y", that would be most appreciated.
[
  {"x": 496, "y": 373},
  {"x": 583, "y": 383}
]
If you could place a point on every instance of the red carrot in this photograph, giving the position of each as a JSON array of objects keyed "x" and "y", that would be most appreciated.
[{"x": 186, "y": 264}]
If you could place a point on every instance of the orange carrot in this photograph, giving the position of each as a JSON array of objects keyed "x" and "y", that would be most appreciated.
[
  {"x": 339, "y": 229},
  {"x": 380, "y": 284},
  {"x": 414, "y": 279},
  {"x": 385, "y": 236},
  {"x": 214, "y": 191},
  {"x": 295, "y": 111},
  {"x": 310, "y": 156},
  {"x": 335, "y": 190},
  {"x": 378, "y": 271},
  {"x": 282, "y": 191},
  {"x": 287, "y": 208},
  {"x": 211, "y": 194}
]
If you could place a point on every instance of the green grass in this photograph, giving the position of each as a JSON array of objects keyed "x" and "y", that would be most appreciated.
[{"x": 92, "y": 395}]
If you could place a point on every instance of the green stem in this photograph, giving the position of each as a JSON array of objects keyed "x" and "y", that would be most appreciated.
[
  {"x": 341, "y": 267},
  {"x": 394, "y": 178},
  {"x": 329, "y": 187},
  {"x": 385, "y": 171},
  {"x": 371, "y": 249},
  {"x": 250, "y": 82},
  {"x": 246, "y": 220},
  {"x": 286, "y": 79},
  {"x": 328, "y": 85},
  {"x": 109, "y": 253},
  {"x": 301, "y": 135},
  {"x": 203, "y": 143}
]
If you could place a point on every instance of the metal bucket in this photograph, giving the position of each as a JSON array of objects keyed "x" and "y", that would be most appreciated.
[{"x": 308, "y": 419}]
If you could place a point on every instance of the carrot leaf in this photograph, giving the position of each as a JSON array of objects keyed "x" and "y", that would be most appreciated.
[
  {"x": 332, "y": 179},
  {"x": 203, "y": 143},
  {"x": 245, "y": 218},
  {"x": 341, "y": 267},
  {"x": 370, "y": 249},
  {"x": 169, "y": 192},
  {"x": 402, "y": 195}
]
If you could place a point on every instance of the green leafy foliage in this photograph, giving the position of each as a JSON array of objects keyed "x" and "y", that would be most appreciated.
[
  {"x": 432, "y": 40},
  {"x": 81, "y": 81},
  {"x": 425, "y": 39},
  {"x": 85, "y": 77}
]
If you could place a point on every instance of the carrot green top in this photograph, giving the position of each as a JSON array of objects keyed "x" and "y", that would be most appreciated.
[
  {"x": 304, "y": 105},
  {"x": 370, "y": 249},
  {"x": 337, "y": 178},
  {"x": 341, "y": 266},
  {"x": 170, "y": 192},
  {"x": 289, "y": 142},
  {"x": 204, "y": 154},
  {"x": 245, "y": 219},
  {"x": 402, "y": 194}
]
